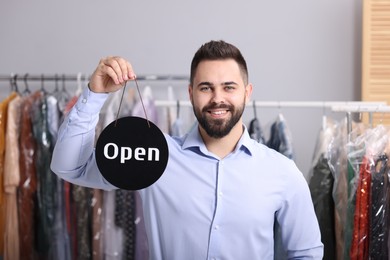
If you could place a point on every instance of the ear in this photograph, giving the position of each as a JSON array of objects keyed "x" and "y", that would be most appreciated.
[
  {"x": 190, "y": 93},
  {"x": 248, "y": 92}
]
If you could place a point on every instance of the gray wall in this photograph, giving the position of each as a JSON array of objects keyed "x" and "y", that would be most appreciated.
[{"x": 296, "y": 50}]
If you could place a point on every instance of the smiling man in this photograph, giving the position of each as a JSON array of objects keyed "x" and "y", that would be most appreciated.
[
  {"x": 219, "y": 93},
  {"x": 222, "y": 192}
]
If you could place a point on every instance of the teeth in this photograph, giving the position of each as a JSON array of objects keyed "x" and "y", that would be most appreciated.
[{"x": 219, "y": 112}]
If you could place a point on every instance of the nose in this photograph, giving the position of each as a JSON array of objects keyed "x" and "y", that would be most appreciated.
[{"x": 217, "y": 96}]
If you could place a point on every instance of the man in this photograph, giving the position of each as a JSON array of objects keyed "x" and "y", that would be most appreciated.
[{"x": 222, "y": 191}]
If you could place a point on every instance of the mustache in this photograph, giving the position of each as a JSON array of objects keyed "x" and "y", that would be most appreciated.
[{"x": 217, "y": 106}]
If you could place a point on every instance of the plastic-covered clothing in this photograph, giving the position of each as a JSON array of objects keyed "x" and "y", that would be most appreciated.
[
  {"x": 46, "y": 189},
  {"x": 360, "y": 241},
  {"x": 321, "y": 188},
  {"x": 11, "y": 180},
  {"x": 338, "y": 161},
  {"x": 280, "y": 139},
  {"x": 3, "y": 123},
  {"x": 82, "y": 202},
  {"x": 61, "y": 242},
  {"x": 28, "y": 183},
  {"x": 255, "y": 131},
  {"x": 379, "y": 211},
  {"x": 372, "y": 143}
]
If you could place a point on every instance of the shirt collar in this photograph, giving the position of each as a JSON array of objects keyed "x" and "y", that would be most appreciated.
[{"x": 194, "y": 140}]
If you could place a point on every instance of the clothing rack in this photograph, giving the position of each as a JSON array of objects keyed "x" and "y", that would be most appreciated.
[
  {"x": 351, "y": 106},
  {"x": 358, "y": 109},
  {"x": 81, "y": 76},
  {"x": 361, "y": 106},
  {"x": 346, "y": 106}
]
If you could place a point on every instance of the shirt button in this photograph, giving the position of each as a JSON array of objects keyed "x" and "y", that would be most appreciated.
[
  {"x": 84, "y": 100},
  {"x": 220, "y": 193},
  {"x": 216, "y": 227}
]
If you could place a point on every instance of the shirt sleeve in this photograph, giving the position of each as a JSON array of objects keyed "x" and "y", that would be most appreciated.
[
  {"x": 74, "y": 156},
  {"x": 300, "y": 231}
]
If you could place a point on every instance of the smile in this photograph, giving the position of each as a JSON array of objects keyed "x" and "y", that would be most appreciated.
[{"x": 218, "y": 112}]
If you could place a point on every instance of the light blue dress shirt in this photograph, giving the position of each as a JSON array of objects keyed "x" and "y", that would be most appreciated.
[{"x": 204, "y": 207}]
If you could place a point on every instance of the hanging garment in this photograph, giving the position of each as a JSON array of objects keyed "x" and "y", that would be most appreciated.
[
  {"x": 255, "y": 131},
  {"x": 81, "y": 200},
  {"x": 340, "y": 164},
  {"x": 60, "y": 240},
  {"x": 70, "y": 216},
  {"x": 125, "y": 219},
  {"x": 28, "y": 183},
  {"x": 3, "y": 124},
  {"x": 77, "y": 209},
  {"x": 148, "y": 103},
  {"x": 46, "y": 189},
  {"x": 63, "y": 97},
  {"x": 280, "y": 139},
  {"x": 356, "y": 151},
  {"x": 11, "y": 180},
  {"x": 360, "y": 241},
  {"x": 374, "y": 141},
  {"x": 321, "y": 188},
  {"x": 112, "y": 234},
  {"x": 97, "y": 241},
  {"x": 53, "y": 116},
  {"x": 172, "y": 113},
  {"x": 379, "y": 210}
]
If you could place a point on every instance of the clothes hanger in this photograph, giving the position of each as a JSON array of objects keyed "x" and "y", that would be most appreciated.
[
  {"x": 42, "y": 84},
  {"x": 60, "y": 93},
  {"x": 255, "y": 129},
  {"x": 26, "y": 88},
  {"x": 254, "y": 109},
  {"x": 64, "y": 91},
  {"x": 56, "y": 89},
  {"x": 14, "y": 84}
]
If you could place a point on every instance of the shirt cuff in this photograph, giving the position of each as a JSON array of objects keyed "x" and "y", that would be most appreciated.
[{"x": 90, "y": 102}]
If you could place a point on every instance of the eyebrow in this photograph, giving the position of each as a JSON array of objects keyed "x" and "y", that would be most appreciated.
[
  {"x": 206, "y": 83},
  {"x": 229, "y": 83}
]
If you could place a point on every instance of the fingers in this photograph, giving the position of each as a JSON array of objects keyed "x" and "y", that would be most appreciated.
[
  {"x": 117, "y": 68},
  {"x": 110, "y": 74}
]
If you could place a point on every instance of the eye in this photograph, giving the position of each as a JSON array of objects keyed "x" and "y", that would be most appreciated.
[
  {"x": 229, "y": 88},
  {"x": 205, "y": 88}
]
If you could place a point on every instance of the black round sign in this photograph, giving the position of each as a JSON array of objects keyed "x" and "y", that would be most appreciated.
[{"x": 131, "y": 153}]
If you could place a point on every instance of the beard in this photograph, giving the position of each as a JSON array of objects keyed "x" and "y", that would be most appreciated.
[{"x": 218, "y": 128}]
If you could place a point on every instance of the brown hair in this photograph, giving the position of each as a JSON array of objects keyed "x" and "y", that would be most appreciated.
[{"x": 218, "y": 50}]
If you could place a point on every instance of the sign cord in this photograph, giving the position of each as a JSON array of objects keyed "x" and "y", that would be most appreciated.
[{"x": 140, "y": 97}]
